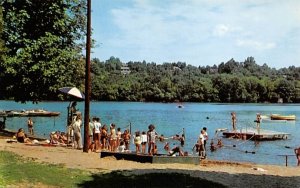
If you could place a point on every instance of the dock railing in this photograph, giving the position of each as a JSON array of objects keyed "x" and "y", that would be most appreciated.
[{"x": 286, "y": 157}]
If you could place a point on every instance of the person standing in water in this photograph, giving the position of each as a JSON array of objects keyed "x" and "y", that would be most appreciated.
[
  {"x": 258, "y": 120},
  {"x": 233, "y": 120},
  {"x": 30, "y": 126}
]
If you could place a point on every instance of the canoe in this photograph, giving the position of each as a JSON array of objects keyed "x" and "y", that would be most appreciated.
[{"x": 282, "y": 117}]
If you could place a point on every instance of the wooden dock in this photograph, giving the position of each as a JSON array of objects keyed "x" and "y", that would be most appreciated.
[
  {"x": 253, "y": 134},
  {"x": 160, "y": 158}
]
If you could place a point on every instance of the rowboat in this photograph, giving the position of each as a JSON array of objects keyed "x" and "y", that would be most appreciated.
[{"x": 282, "y": 117}]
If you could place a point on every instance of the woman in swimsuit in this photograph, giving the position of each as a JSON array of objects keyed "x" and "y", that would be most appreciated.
[{"x": 21, "y": 137}]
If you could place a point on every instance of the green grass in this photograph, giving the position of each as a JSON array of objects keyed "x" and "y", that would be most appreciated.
[{"x": 16, "y": 170}]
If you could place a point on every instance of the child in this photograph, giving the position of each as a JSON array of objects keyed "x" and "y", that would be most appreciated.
[
  {"x": 143, "y": 141},
  {"x": 151, "y": 139},
  {"x": 121, "y": 147},
  {"x": 137, "y": 142}
]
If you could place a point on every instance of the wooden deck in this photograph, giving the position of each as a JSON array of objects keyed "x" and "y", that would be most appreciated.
[
  {"x": 253, "y": 134},
  {"x": 161, "y": 158}
]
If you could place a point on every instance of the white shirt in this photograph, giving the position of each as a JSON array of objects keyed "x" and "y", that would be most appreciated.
[
  {"x": 121, "y": 148},
  {"x": 201, "y": 138},
  {"x": 144, "y": 138},
  {"x": 77, "y": 126},
  {"x": 97, "y": 126},
  {"x": 205, "y": 135}
]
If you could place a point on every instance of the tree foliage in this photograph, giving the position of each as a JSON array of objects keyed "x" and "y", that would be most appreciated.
[
  {"x": 228, "y": 82},
  {"x": 43, "y": 49},
  {"x": 40, "y": 51}
]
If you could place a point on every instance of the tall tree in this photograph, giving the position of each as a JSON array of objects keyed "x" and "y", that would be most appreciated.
[
  {"x": 44, "y": 52},
  {"x": 2, "y": 48}
]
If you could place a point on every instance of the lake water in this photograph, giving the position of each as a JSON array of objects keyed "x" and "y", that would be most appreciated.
[{"x": 170, "y": 120}]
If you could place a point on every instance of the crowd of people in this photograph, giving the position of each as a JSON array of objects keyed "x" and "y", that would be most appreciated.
[
  {"x": 110, "y": 138},
  {"x": 113, "y": 139}
]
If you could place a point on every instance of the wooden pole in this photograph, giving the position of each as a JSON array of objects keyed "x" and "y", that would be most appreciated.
[{"x": 87, "y": 80}]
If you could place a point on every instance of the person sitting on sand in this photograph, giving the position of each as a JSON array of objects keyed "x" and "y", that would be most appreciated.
[
  {"x": 121, "y": 147},
  {"x": 21, "y": 136},
  {"x": 63, "y": 137},
  {"x": 54, "y": 138}
]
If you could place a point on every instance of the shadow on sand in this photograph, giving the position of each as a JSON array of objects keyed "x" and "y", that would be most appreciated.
[{"x": 187, "y": 178}]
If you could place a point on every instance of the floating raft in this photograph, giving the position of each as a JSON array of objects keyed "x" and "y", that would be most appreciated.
[
  {"x": 253, "y": 134},
  {"x": 28, "y": 113},
  {"x": 160, "y": 158}
]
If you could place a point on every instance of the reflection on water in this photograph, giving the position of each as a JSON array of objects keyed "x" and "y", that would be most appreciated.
[{"x": 170, "y": 120}]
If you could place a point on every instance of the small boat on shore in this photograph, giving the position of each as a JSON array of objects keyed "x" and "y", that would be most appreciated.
[{"x": 283, "y": 117}]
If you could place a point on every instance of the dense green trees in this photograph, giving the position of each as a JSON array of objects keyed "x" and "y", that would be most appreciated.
[
  {"x": 40, "y": 51},
  {"x": 2, "y": 47},
  {"x": 43, "y": 48},
  {"x": 229, "y": 82}
]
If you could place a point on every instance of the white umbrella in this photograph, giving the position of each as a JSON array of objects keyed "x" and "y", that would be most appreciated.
[{"x": 72, "y": 91}]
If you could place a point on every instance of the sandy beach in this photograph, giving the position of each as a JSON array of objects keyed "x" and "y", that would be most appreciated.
[{"x": 230, "y": 174}]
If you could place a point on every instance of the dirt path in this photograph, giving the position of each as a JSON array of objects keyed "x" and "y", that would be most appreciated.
[{"x": 227, "y": 173}]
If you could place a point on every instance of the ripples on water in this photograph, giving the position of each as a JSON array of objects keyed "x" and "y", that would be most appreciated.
[{"x": 170, "y": 120}]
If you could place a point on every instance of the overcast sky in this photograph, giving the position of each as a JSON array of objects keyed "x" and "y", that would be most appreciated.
[{"x": 198, "y": 32}]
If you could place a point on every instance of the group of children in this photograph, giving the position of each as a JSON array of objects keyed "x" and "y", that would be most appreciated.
[{"x": 113, "y": 139}]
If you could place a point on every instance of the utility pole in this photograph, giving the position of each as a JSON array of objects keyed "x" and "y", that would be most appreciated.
[{"x": 87, "y": 80}]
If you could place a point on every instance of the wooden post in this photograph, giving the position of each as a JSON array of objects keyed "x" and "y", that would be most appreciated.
[
  {"x": 130, "y": 128},
  {"x": 87, "y": 80}
]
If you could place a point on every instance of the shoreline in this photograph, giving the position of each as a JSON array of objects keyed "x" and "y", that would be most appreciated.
[{"x": 228, "y": 173}]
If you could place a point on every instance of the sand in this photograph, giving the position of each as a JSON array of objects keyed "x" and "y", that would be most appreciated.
[{"x": 231, "y": 174}]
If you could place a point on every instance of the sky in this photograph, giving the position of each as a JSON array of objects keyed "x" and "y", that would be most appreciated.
[{"x": 198, "y": 32}]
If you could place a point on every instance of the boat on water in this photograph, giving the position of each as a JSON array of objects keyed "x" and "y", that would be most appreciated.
[
  {"x": 27, "y": 113},
  {"x": 40, "y": 112},
  {"x": 283, "y": 117}
]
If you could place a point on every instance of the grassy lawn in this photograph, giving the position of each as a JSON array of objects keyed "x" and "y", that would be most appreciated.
[{"x": 15, "y": 170}]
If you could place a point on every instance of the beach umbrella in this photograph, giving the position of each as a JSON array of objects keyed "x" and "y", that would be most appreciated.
[{"x": 72, "y": 91}]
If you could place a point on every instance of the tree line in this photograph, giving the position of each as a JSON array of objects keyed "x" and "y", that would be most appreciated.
[
  {"x": 41, "y": 46},
  {"x": 241, "y": 82}
]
